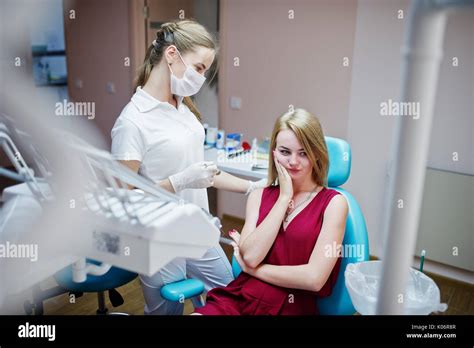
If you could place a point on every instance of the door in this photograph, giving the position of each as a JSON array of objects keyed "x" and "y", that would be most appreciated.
[{"x": 146, "y": 17}]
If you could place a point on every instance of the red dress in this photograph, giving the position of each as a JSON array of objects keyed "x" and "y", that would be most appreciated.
[{"x": 247, "y": 295}]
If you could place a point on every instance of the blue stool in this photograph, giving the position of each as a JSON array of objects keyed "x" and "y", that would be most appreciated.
[
  {"x": 114, "y": 278},
  {"x": 339, "y": 302}
]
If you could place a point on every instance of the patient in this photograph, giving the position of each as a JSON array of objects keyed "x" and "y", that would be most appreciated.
[{"x": 289, "y": 228}]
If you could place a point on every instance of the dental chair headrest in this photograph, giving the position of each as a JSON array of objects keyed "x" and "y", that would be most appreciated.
[{"x": 339, "y": 161}]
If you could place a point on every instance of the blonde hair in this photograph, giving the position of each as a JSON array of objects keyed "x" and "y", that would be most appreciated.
[
  {"x": 310, "y": 134},
  {"x": 186, "y": 35}
]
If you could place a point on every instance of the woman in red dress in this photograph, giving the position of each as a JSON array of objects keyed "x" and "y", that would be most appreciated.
[{"x": 286, "y": 246}]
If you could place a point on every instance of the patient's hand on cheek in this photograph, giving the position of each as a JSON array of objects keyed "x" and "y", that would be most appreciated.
[
  {"x": 236, "y": 240},
  {"x": 284, "y": 179}
]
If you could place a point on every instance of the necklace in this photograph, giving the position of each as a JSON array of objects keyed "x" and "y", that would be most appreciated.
[{"x": 292, "y": 207}]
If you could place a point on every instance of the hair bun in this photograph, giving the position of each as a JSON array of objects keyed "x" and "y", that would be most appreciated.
[
  {"x": 170, "y": 27},
  {"x": 168, "y": 31}
]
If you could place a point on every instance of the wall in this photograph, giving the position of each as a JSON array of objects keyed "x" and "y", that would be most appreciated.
[
  {"x": 376, "y": 77},
  {"x": 453, "y": 125},
  {"x": 283, "y": 61},
  {"x": 376, "y": 72},
  {"x": 97, "y": 43},
  {"x": 206, "y": 12}
]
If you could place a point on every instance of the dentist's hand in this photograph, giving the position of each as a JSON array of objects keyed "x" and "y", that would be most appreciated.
[{"x": 196, "y": 176}]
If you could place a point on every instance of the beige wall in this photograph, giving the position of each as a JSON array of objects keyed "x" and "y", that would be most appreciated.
[
  {"x": 453, "y": 124},
  {"x": 206, "y": 12},
  {"x": 376, "y": 77},
  {"x": 97, "y": 43},
  {"x": 283, "y": 61}
]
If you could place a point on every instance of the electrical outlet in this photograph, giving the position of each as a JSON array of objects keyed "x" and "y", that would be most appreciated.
[
  {"x": 78, "y": 83},
  {"x": 111, "y": 87},
  {"x": 235, "y": 103}
]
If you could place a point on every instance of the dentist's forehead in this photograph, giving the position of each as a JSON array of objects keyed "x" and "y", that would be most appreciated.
[{"x": 201, "y": 55}]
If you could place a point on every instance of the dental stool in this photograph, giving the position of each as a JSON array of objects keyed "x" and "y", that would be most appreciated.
[
  {"x": 355, "y": 238},
  {"x": 114, "y": 278}
]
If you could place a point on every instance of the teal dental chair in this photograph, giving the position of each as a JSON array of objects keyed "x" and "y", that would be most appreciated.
[{"x": 355, "y": 239}]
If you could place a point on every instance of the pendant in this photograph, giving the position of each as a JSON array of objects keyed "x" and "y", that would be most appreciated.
[{"x": 291, "y": 205}]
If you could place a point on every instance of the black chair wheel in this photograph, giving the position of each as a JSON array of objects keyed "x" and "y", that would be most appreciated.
[
  {"x": 115, "y": 298},
  {"x": 28, "y": 307}
]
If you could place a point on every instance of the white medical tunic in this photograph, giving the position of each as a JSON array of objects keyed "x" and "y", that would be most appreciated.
[{"x": 164, "y": 139}]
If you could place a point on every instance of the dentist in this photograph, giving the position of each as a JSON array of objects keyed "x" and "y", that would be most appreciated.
[{"x": 160, "y": 136}]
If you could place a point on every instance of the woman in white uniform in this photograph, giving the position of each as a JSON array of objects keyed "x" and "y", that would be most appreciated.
[{"x": 160, "y": 136}]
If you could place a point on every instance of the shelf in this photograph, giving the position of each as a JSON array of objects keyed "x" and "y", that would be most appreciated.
[{"x": 48, "y": 53}]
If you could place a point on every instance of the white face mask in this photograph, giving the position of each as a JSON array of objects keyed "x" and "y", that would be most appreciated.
[{"x": 190, "y": 84}]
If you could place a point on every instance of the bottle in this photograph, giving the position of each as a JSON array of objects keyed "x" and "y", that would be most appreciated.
[
  {"x": 254, "y": 150},
  {"x": 211, "y": 137},
  {"x": 254, "y": 144},
  {"x": 220, "y": 144},
  {"x": 206, "y": 126}
]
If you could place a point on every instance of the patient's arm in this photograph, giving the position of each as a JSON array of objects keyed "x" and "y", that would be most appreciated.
[
  {"x": 313, "y": 275},
  {"x": 228, "y": 182},
  {"x": 255, "y": 242}
]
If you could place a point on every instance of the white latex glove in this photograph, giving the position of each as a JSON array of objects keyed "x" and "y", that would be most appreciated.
[
  {"x": 253, "y": 185},
  {"x": 196, "y": 176}
]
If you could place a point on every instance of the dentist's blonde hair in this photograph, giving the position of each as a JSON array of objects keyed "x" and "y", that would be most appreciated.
[
  {"x": 186, "y": 35},
  {"x": 310, "y": 134}
]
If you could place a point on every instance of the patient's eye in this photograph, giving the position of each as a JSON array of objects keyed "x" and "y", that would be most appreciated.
[
  {"x": 303, "y": 154},
  {"x": 284, "y": 152}
]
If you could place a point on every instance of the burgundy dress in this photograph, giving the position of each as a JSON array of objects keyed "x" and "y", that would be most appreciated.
[{"x": 247, "y": 295}]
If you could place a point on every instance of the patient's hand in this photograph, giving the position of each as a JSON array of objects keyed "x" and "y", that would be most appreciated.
[
  {"x": 236, "y": 240},
  {"x": 284, "y": 179}
]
